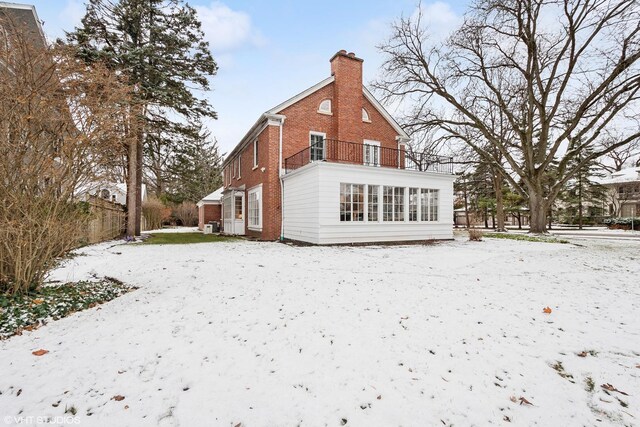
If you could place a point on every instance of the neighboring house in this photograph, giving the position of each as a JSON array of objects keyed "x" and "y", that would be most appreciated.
[
  {"x": 328, "y": 166},
  {"x": 112, "y": 191},
  {"x": 20, "y": 18},
  {"x": 210, "y": 208},
  {"x": 623, "y": 192}
]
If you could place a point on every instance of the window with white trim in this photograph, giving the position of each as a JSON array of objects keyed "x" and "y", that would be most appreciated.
[
  {"x": 255, "y": 153},
  {"x": 365, "y": 116},
  {"x": 255, "y": 208},
  {"x": 351, "y": 202},
  {"x": 372, "y": 202},
  {"x": 316, "y": 142},
  {"x": 239, "y": 168},
  {"x": 371, "y": 154},
  {"x": 393, "y": 203},
  {"x": 325, "y": 107},
  {"x": 428, "y": 204},
  {"x": 413, "y": 204}
]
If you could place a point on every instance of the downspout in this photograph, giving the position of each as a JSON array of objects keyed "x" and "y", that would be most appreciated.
[{"x": 281, "y": 175}]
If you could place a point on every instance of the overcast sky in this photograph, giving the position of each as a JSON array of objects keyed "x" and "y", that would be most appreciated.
[{"x": 270, "y": 50}]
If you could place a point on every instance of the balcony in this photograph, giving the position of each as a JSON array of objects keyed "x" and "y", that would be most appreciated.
[{"x": 334, "y": 151}]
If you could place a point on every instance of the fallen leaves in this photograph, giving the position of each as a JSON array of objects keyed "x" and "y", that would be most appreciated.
[
  {"x": 547, "y": 310},
  {"x": 582, "y": 354},
  {"x": 117, "y": 398},
  {"x": 40, "y": 352},
  {"x": 522, "y": 400},
  {"x": 37, "y": 301},
  {"x": 610, "y": 387}
]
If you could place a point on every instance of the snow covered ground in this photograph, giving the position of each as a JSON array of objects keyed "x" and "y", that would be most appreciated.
[{"x": 266, "y": 334}]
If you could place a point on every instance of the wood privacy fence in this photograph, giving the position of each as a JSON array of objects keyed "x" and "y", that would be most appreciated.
[{"x": 108, "y": 220}]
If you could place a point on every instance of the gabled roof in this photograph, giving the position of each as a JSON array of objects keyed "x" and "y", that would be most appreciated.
[
  {"x": 216, "y": 196},
  {"x": 289, "y": 102},
  {"x": 272, "y": 113}
]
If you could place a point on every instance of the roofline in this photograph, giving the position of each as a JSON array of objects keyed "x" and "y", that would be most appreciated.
[
  {"x": 403, "y": 136},
  {"x": 301, "y": 95},
  {"x": 30, "y": 7},
  {"x": 272, "y": 116}
]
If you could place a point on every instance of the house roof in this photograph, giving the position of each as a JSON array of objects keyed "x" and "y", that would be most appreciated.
[
  {"x": 622, "y": 176},
  {"x": 272, "y": 113},
  {"x": 216, "y": 196}
]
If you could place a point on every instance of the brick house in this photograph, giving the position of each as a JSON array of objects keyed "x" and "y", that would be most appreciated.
[
  {"x": 623, "y": 192},
  {"x": 328, "y": 166},
  {"x": 210, "y": 208}
]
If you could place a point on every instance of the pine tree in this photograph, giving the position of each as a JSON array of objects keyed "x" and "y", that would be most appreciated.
[{"x": 159, "y": 46}]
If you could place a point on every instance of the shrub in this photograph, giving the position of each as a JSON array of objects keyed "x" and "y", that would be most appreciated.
[
  {"x": 155, "y": 213},
  {"x": 475, "y": 235},
  {"x": 623, "y": 223},
  {"x": 60, "y": 129},
  {"x": 186, "y": 213}
]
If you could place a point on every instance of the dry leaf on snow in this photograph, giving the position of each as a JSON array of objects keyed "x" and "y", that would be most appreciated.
[
  {"x": 524, "y": 401},
  {"x": 40, "y": 352},
  {"x": 610, "y": 387},
  {"x": 118, "y": 398},
  {"x": 546, "y": 310}
]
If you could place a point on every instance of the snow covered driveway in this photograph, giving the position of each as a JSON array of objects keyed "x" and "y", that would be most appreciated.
[{"x": 266, "y": 334}]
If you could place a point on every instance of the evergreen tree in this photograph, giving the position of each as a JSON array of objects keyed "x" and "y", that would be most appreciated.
[
  {"x": 583, "y": 191},
  {"x": 159, "y": 46},
  {"x": 195, "y": 171}
]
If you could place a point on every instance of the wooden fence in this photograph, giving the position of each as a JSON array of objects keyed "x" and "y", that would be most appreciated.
[{"x": 109, "y": 220}]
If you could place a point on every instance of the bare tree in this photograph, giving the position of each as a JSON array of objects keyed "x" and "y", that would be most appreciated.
[
  {"x": 60, "y": 130},
  {"x": 619, "y": 157},
  {"x": 557, "y": 70}
]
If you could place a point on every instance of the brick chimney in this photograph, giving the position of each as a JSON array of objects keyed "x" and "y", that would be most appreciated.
[{"x": 348, "y": 97}]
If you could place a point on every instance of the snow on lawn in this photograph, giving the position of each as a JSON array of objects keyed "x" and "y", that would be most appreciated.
[{"x": 266, "y": 334}]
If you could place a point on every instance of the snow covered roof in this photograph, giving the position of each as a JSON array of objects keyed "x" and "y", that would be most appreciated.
[
  {"x": 625, "y": 175},
  {"x": 216, "y": 196}
]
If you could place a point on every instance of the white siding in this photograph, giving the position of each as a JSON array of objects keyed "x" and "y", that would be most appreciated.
[
  {"x": 312, "y": 205},
  {"x": 300, "y": 207}
]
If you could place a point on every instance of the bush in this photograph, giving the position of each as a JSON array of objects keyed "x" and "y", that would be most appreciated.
[
  {"x": 623, "y": 223},
  {"x": 60, "y": 130},
  {"x": 475, "y": 235},
  {"x": 186, "y": 213},
  {"x": 155, "y": 213}
]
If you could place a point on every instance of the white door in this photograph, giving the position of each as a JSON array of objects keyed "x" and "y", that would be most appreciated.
[{"x": 238, "y": 212}]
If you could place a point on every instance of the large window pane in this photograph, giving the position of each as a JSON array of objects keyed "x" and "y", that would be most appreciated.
[
  {"x": 317, "y": 147},
  {"x": 387, "y": 204},
  {"x": 373, "y": 203},
  {"x": 351, "y": 202},
  {"x": 398, "y": 204},
  {"x": 413, "y": 204}
]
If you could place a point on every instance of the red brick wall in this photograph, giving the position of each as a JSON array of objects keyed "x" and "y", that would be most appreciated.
[
  {"x": 208, "y": 213},
  {"x": 345, "y": 124}
]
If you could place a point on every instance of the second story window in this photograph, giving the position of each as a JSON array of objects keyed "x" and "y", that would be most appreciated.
[
  {"x": 365, "y": 116},
  {"x": 316, "y": 142},
  {"x": 239, "y": 166}
]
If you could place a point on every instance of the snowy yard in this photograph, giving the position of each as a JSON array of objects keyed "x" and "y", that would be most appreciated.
[{"x": 266, "y": 334}]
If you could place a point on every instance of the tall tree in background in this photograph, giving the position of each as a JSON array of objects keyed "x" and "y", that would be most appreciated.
[
  {"x": 159, "y": 45},
  {"x": 195, "y": 171},
  {"x": 556, "y": 69}
]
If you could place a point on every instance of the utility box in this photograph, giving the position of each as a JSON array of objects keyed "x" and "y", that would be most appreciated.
[{"x": 208, "y": 229}]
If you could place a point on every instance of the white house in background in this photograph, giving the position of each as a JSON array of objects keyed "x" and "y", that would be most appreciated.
[
  {"x": 624, "y": 192},
  {"x": 112, "y": 191},
  {"x": 329, "y": 166},
  {"x": 210, "y": 208}
]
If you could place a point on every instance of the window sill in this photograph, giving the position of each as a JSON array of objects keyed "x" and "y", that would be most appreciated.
[
  {"x": 255, "y": 228},
  {"x": 325, "y": 113},
  {"x": 366, "y": 121},
  {"x": 254, "y": 168}
]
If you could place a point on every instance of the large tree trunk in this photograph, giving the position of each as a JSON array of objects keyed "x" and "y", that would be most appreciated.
[
  {"x": 538, "y": 213},
  {"x": 497, "y": 185},
  {"x": 132, "y": 179},
  {"x": 138, "y": 212}
]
